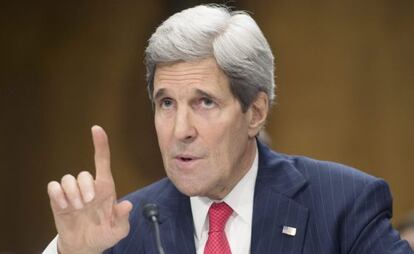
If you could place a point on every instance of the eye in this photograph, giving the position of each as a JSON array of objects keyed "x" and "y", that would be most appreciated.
[
  {"x": 207, "y": 103},
  {"x": 166, "y": 103}
]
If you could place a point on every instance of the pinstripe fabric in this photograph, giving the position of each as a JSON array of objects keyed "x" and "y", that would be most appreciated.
[{"x": 334, "y": 208}]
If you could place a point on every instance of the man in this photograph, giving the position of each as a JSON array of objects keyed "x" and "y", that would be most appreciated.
[{"x": 210, "y": 78}]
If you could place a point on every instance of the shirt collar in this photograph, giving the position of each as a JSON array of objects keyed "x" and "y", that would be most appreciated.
[{"x": 240, "y": 199}]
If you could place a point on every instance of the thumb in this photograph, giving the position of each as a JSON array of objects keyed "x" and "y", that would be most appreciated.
[
  {"x": 122, "y": 209},
  {"x": 121, "y": 218}
]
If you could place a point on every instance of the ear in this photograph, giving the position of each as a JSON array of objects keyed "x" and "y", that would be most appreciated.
[{"x": 258, "y": 113}]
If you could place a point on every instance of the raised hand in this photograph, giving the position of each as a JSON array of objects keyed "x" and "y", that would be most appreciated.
[{"x": 87, "y": 216}]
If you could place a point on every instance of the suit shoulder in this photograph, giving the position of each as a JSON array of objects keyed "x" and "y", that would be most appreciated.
[
  {"x": 320, "y": 172},
  {"x": 150, "y": 192},
  {"x": 327, "y": 170},
  {"x": 316, "y": 174}
]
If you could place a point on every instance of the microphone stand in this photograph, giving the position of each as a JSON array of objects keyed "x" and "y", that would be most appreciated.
[{"x": 151, "y": 213}]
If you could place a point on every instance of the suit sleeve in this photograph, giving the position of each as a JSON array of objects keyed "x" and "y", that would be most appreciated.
[
  {"x": 368, "y": 224},
  {"x": 52, "y": 247}
]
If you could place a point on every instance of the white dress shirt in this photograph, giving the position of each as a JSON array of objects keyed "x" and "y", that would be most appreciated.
[
  {"x": 239, "y": 226},
  {"x": 52, "y": 247}
]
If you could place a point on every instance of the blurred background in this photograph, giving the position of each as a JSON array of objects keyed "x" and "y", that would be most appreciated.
[{"x": 345, "y": 93}]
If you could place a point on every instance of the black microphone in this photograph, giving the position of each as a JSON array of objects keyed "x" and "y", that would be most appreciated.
[{"x": 151, "y": 213}]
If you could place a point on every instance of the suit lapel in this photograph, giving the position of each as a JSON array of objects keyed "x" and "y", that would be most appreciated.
[
  {"x": 274, "y": 207},
  {"x": 185, "y": 229},
  {"x": 176, "y": 223}
]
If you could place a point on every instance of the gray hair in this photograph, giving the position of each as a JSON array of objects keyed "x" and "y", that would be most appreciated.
[{"x": 232, "y": 37}]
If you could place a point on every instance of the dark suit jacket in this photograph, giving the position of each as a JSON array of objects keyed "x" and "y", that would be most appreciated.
[{"x": 335, "y": 209}]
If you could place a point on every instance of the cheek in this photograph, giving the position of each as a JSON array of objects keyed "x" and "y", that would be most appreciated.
[
  {"x": 232, "y": 132},
  {"x": 233, "y": 140},
  {"x": 162, "y": 130},
  {"x": 226, "y": 138}
]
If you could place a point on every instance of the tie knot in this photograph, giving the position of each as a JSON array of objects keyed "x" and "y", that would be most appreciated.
[{"x": 218, "y": 215}]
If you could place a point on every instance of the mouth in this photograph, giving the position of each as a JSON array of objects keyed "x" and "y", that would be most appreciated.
[
  {"x": 185, "y": 161},
  {"x": 186, "y": 158}
]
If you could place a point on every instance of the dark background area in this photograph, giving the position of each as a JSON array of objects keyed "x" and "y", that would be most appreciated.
[{"x": 345, "y": 93}]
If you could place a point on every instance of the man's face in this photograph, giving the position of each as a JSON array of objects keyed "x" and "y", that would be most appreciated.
[{"x": 206, "y": 141}]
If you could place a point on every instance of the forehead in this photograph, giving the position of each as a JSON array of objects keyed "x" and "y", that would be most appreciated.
[{"x": 202, "y": 74}]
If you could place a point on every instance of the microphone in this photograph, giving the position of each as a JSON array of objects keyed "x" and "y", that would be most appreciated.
[{"x": 150, "y": 211}]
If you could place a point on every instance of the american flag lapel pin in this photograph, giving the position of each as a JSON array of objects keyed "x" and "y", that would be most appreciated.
[{"x": 290, "y": 231}]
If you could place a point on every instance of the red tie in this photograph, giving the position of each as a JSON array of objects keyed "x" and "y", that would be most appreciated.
[{"x": 217, "y": 242}]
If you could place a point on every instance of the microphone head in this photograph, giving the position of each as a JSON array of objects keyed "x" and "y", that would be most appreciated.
[{"x": 150, "y": 210}]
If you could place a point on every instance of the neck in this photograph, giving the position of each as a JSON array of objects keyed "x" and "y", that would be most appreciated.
[{"x": 246, "y": 162}]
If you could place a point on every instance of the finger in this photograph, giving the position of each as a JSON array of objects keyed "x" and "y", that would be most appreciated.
[
  {"x": 71, "y": 190},
  {"x": 102, "y": 154},
  {"x": 122, "y": 211},
  {"x": 86, "y": 186},
  {"x": 56, "y": 196}
]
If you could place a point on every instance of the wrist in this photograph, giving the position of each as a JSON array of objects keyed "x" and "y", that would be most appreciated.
[{"x": 63, "y": 249}]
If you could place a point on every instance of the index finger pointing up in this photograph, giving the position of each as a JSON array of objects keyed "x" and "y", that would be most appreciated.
[{"x": 102, "y": 154}]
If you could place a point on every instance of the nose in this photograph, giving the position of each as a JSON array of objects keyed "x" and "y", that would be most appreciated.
[{"x": 184, "y": 128}]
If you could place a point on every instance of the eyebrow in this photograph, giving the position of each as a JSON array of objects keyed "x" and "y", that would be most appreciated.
[
  {"x": 204, "y": 94},
  {"x": 159, "y": 93}
]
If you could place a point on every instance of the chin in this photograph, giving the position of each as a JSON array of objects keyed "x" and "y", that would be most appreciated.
[
  {"x": 189, "y": 192},
  {"x": 185, "y": 184},
  {"x": 189, "y": 189}
]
